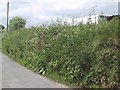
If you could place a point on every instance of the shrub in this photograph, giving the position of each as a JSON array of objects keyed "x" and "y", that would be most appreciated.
[{"x": 81, "y": 55}]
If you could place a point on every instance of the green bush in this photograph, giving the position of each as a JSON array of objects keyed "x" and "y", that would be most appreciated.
[
  {"x": 79, "y": 55},
  {"x": 17, "y": 23}
]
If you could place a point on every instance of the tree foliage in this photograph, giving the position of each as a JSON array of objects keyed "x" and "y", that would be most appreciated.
[
  {"x": 2, "y": 27},
  {"x": 17, "y": 23}
]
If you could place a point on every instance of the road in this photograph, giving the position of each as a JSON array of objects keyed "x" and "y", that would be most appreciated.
[
  {"x": 15, "y": 75},
  {"x": 0, "y": 71}
]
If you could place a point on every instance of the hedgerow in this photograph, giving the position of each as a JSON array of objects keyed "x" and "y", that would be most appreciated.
[{"x": 86, "y": 56}]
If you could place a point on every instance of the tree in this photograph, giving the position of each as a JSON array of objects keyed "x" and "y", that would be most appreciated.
[
  {"x": 2, "y": 27},
  {"x": 17, "y": 23}
]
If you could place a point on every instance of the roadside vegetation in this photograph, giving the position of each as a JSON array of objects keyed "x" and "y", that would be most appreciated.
[
  {"x": 2, "y": 31},
  {"x": 85, "y": 55}
]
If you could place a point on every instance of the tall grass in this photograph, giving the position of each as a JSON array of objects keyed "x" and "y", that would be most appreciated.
[{"x": 81, "y": 55}]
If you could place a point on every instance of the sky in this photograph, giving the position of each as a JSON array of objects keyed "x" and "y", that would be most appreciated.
[{"x": 36, "y": 12}]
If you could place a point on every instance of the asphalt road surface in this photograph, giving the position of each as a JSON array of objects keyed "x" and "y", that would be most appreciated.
[
  {"x": 15, "y": 75},
  {"x": 0, "y": 71}
]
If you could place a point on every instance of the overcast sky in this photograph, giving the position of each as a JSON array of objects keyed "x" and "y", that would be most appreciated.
[{"x": 38, "y": 11}]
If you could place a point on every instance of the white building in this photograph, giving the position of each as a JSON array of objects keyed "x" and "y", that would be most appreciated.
[{"x": 91, "y": 19}]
